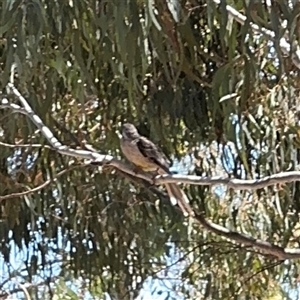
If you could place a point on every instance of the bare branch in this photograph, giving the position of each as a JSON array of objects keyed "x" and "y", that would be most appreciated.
[
  {"x": 38, "y": 188},
  {"x": 264, "y": 247},
  {"x": 53, "y": 141},
  {"x": 14, "y": 146},
  {"x": 14, "y": 107},
  {"x": 236, "y": 184}
]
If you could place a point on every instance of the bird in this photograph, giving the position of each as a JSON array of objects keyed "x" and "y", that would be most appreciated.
[{"x": 148, "y": 157}]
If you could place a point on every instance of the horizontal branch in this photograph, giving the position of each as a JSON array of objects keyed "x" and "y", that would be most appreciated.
[
  {"x": 16, "y": 146},
  {"x": 236, "y": 184}
]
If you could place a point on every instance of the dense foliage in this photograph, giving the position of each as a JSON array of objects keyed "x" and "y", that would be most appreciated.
[{"x": 219, "y": 98}]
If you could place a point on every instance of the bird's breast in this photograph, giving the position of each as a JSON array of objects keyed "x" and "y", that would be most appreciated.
[{"x": 133, "y": 154}]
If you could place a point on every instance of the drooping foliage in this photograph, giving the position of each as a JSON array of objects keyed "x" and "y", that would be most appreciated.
[{"x": 210, "y": 91}]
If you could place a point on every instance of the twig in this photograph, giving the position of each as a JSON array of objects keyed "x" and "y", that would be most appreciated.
[
  {"x": 25, "y": 146},
  {"x": 38, "y": 188}
]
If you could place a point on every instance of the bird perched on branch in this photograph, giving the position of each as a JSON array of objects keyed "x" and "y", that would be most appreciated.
[{"x": 147, "y": 156}]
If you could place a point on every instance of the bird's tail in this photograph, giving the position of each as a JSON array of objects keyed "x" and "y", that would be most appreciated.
[{"x": 178, "y": 196}]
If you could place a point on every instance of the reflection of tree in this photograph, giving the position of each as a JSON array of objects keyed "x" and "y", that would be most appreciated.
[{"x": 203, "y": 87}]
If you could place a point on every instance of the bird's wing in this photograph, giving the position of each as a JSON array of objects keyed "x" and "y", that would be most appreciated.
[{"x": 153, "y": 153}]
